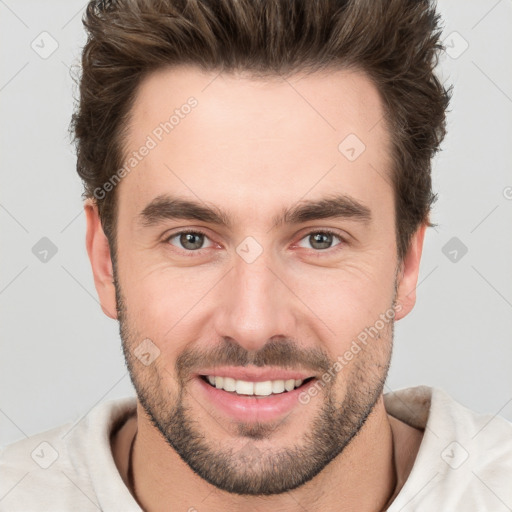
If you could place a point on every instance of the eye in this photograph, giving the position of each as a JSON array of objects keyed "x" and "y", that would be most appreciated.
[
  {"x": 189, "y": 240},
  {"x": 321, "y": 240},
  {"x": 194, "y": 241}
]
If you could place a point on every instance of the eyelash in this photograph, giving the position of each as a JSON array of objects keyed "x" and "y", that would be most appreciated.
[{"x": 329, "y": 250}]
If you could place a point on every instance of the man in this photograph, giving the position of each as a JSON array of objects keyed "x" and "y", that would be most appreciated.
[{"x": 257, "y": 183}]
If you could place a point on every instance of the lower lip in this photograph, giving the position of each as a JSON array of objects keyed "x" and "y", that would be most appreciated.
[{"x": 251, "y": 408}]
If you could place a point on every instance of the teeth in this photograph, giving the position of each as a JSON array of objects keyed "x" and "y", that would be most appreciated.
[
  {"x": 277, "y": 386},
  {"x": 229, "y": 384},
  {"x": 289, "y": 384},
  {"x": 243, "y": 387},
  {"x": 263, "y": 388}
]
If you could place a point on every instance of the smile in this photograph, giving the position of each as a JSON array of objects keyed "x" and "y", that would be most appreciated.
[
  {"x": 251, "y": 394},
  {"x": 251, "y": 388}
]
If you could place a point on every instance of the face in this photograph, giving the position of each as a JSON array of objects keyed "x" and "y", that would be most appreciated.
[{"x": 257, "y": 254}]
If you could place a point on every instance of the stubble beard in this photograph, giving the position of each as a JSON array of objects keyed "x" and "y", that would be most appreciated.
[{"x": 251, "y": 470}]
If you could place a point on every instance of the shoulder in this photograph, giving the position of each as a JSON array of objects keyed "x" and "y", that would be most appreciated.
[
  {"x": 464, "y": 460},
  {"x": 32, "y": 469},
  {"x": 486, "y": 439},
  {"x": 58, "y": 469}
]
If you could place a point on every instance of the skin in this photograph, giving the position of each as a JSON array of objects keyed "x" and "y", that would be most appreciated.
[{"x": 254, "y": 147}]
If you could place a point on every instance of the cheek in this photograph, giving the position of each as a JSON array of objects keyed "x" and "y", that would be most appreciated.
[
  {"x": 347, "y": 301},
  {"x": 163, "y": 305}
]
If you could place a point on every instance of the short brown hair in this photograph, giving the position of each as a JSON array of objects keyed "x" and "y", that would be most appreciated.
[{"x": 395, "y": 42}]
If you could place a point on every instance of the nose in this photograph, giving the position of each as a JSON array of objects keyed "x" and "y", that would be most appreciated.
[{"x": 255, "y": 304}]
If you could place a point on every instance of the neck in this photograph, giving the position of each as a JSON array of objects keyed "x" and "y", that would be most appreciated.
[{"x": 362, "y": 478}]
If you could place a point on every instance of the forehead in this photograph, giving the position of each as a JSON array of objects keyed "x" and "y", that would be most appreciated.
[
  {"x": 233, "y": 138},
  {"x": 331, "y": 100}
]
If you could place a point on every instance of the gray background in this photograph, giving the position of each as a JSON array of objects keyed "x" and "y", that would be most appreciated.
[{"x": 60, "y": 355}]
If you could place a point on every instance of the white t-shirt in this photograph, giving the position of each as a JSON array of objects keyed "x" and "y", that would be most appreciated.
[{"x": 464, "y": 462}]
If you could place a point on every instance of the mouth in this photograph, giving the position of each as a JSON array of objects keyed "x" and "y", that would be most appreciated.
[
  {"x": 257, "y": 389},
  {"x": 251, "y": 396}
]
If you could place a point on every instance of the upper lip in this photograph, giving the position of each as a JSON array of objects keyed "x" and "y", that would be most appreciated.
[{"x": 255, "y": 374}]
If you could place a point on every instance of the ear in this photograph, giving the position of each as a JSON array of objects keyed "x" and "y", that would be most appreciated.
[
  {"x": 408, "y": 275},
  {"x": 99, "y": 255}
]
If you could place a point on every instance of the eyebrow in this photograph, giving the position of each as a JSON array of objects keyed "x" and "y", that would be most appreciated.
[{"x": 166, "y": 207}]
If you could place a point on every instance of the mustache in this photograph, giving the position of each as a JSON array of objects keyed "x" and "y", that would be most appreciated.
[{"x": 282, "y": 353}]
